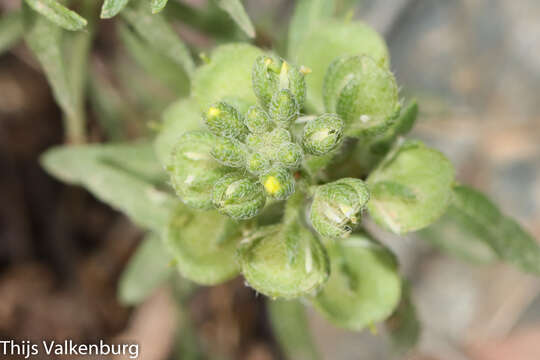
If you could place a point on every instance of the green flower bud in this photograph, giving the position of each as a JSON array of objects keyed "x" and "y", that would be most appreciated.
[
  {"x": 224, "y": 120},
  {"x": 256, "y": 163},
  {"x": 363, "y": 92},
  {"x": 265, "y": 78},
  {"x": 257, "y": 120},
  {"x": 229, "y": 152},
  {"x": 290, "y": 155},
  {"x": 268, "y": 269},
  {"x": 272, "y": 74},
  {"x": 193, "y": 171},
  {"x": 283, "y": 108},
  {"x": 336, "y": 206},
  {"x": 268, "y": 143},
  {"x": 293, "y": 79},
  {"x": 278, "y": 183},
  {"x": 323, "y": 134},
  {"x": 239, "y": 197}
]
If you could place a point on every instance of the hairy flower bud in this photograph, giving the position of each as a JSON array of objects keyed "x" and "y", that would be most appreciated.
[
  {"x": 283, "y": 108},
  {"x": 224, "y": 120},
  {"x": 323, "y": 134},
  {"x": 238, "y": 196},
  {"x": 293, "y": 79},
  {"x": 193, "y": 171},
  {"x": 257, "y": 120},
  {"x": 363, "y": 93},
  {"x": 229, "y": 152},
  {"x": 290, "y": 155},
  {"x": 278, "y": 183},
  {"x": 267, "y": 268},
  {"x": 256, "y": 163},
  {"x": 268, "y": 143},
  {"x": 336, "y": 205},
  {"x": 273, "y": 74},
  {"x": 265, "y": 78}
]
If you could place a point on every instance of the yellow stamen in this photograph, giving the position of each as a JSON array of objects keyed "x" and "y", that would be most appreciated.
[
  {"x": 272, "y": 185},
  {"x": 213, "y": 111}
]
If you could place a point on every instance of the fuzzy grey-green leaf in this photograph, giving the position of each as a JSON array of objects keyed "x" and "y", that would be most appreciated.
[
  {"x": 412, "y": 169},
  {"x": 111, "y": 8},
  {"x": 203, "y": 245},
  {"x": 58, "y": 14},
  {"x": 237, "y": 12},
  {"x": 98, "y": 169},
  {"x": 147, "y": 269},
  {"x": 158, "y": 33},
  {"x": 158, "y": 5},
  {"x": 377, "y": 285}
]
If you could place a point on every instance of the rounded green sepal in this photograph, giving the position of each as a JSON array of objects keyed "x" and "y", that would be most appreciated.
[
  {"x": 363, "y": 93},
  {"x": 238, "y": 196},
  {"x": 336, "y": 207},
  {"x": 334, "y": 39},
  {"x": 364, "y": 286},
  {"x": 290, "y": 155},
  {"x": 257, "y": 120},
  {"x": 229, "y": 152},
  {"x": 181, "y": 116},
  {"x": 256, "y": 163},
  {"x": 193, "y": 171},
  {"x": 323, "y": 134},
  {"x": 411, "y": 188},
  {"x": 227, "y": 75},
  {"x": 224, "y": 120},
  {"x": 268, "y": 143},
  {"x": 203, "y": 245},
  {"x": 278, "y": 183},
  {"x": 265, "y": 78},
  {"x": 283, "y": 108},
  {"x": 269, "y": 268}
]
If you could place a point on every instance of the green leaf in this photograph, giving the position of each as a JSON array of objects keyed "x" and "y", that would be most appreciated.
[
  {"x": 108, "y": 105},
  {"x": 203, "y": 245},
  {"x": 403, "y": 326},
  {"x": 480, "y": 218},
  {"x": 327, "y": 42},
  {"x": 167, "y": 71},
  {"x": 76, "y": 51},
  {"x": 237, "y": 12},
  {"x": 406, "y": 119},
  {"x": 364, "y": 286},
  {"x": 117, "y": 175},
  {"x": 180, "y": 117},
  {"x": 147, "y": 269},
  {"x": 291, "y": 329},
  {"x": 159, "y": 34},
  {"x": 424, "y": 172},
  {"x": 45, "y": 40},
  {"x": 157, "y": 5},
  {"x": 308, "y": 16},
  {"x": 11, "y": 30},
  {"x": 111, "y": 8},
  {"x": 227, "y": 77},
  {"x": 58, "y": 14}
]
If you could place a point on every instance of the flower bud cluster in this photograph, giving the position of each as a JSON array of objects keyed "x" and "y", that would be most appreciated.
[{"x": 245, "y": 158}]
